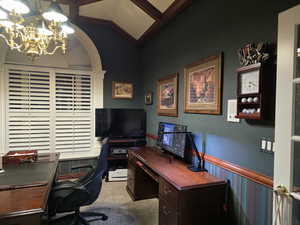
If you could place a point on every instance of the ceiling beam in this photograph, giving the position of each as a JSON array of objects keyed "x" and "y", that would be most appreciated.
[
  {"x": 85, "y": 2},
  {"x": 148, "y": 8},
  {"x": 74, "y": 10},
  {"x": 176, "y": 7},
  {"x": 110, "y": 23},
  {"x": 65, "y": 2}
]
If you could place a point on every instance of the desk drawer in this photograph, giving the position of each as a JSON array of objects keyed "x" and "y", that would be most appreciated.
[
  {"x": 34, "y": 219},
  {"x": 168, "y": 193},
  {"x": 168, "y": 215}
]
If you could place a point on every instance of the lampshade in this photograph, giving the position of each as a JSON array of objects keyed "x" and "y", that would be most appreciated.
[
  {"x": 3, "y": 15},
  {"x": 67, "y": 29},
  {"x": 55, "y": 13},
  {"x": 19, "y": 6}
]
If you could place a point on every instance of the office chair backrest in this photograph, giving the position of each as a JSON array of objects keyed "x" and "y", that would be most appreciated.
[{"x": 94, "y": 183}]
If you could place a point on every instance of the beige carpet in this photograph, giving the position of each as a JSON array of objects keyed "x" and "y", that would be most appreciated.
[{"x": 114, "y": 200}]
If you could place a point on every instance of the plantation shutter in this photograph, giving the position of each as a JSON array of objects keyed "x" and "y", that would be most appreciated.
[
  {"x": 73, "y": 106},
  {"x": 49, "y": 110},
  {"x": 28, "y": 110}
]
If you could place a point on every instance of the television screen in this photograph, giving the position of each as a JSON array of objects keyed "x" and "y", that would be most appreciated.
[
  {"x": 121, "y": 123},
  {"x": 173, "y": 143}
]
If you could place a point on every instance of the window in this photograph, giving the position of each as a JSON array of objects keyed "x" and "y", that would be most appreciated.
[{"x": 49, "y": 110}]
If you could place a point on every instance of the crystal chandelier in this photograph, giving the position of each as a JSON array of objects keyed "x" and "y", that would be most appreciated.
[{"x": 33, "y": 32}]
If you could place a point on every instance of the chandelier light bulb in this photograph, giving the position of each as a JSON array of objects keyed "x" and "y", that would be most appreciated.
[
  {"x": 17, "y": 6},
  {"x": 3, "y": 15},
  {"x": 42, "y": 30},
  {"x": 55, "y": 13},
  {"x": 6, "y": 23},
  {"x": 67, "y": 29},
  {"x": 45, "y": 31}
]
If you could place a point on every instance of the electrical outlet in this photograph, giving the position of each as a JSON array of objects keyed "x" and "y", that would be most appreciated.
[
  {"x": 269, "y": 146},
  {"x": 263, "y": 144}
]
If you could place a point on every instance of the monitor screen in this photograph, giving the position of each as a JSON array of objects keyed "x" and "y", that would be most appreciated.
[
  {"x": 121, "y": 123},
  {"x": 173, "y": 143}
]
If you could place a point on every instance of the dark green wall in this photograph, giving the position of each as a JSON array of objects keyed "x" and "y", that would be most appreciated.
[
  {"x": 207, "y": 28},
  {"x": 120, "y": 60}
]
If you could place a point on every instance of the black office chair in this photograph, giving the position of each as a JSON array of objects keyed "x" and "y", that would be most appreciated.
[{"x": 69, "y": 196}]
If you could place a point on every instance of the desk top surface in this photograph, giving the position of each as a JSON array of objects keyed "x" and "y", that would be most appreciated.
[
  {"x": 174, "y": 171},
  {"x": 24, "y": 188}
]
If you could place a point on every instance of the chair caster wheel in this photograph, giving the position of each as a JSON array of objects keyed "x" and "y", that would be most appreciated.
[{"x": 104, "y": 218}]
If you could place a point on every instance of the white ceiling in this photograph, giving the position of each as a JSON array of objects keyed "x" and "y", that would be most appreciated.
[
  {"x": 161, "y": 5},
  {"x": 124, "y": 13}
]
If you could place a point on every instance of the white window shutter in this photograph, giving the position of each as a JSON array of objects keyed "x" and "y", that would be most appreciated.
[
  {"x": 28, "y": 93},
  {"x": 74, "y": 112},
  {"x": 34, "y": 121}
]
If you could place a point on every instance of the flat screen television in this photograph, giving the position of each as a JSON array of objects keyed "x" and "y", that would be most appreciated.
[
  {"x": 173, "y": 143},
  {"x": 121, "y": 123}
]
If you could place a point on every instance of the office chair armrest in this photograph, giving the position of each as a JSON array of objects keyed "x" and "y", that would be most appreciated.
[{"x": 82, "y": 167}]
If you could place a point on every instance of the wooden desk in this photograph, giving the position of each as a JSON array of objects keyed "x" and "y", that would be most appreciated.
[
  {"x": 24, "y": 190},
  {"x": 185, "y": 197}
]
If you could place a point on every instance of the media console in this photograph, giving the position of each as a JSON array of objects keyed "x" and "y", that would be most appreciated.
[
  {"x": 185, "y": 197},
  {"x": 118, "y": 158}
]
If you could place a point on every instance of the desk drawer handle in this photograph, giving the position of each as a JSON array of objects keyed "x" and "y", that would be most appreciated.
[
  {"x": 167, "y": 191},
  {"x": 166, "y": 211}
]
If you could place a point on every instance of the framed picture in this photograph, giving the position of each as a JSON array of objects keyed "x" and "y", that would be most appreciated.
[
  {"x": 167, "y": 90},
  {"x": 149, "y": 98},
  {"x": 202, "y": 86},
  {"x": 122, "y": 90}
]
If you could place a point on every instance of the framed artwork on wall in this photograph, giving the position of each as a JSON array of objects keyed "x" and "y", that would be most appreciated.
[
  {"x": 122, "y": 90},
  {"x": 149, "y": 98},
  {"x": 202, "y": 86},
  {"x": 167, "y": 96}
]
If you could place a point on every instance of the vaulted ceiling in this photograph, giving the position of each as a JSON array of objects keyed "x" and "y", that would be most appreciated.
[{"x": 138, "y": 20}]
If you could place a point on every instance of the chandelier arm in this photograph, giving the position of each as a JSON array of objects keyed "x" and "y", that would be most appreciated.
[
  {"x": 27, "y": 35},
  {"x": 54, "y": 50}
]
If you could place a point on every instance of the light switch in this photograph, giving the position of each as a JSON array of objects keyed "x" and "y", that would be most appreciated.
[
  {"x": 269, "y": 146},
  {"x": 263, "y": 144},
  {"x": 232, "y": 111}
]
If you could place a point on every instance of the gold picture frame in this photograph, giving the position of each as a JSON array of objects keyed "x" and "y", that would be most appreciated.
[
  {"x": 121, "y": 90},
  {"x": 167, "y": 96},
  {"x": 203, "y": 86}
]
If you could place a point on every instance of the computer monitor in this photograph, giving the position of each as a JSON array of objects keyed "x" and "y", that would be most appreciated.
[{"x": 174, "y": 143}]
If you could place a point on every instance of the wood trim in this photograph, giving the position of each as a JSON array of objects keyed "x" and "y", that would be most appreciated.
[
  {"x": 148, "y": 8},
  {"x": 74, "y": 10},
  {"x": 113, "y": 25},
  {"x": 152, "y": 136},
  {"x": 176, "y": 7},
  {"x": 64, "y": 2},
  {"x": 85, "y": 2},
  {"x": 249, "y": 174}
]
